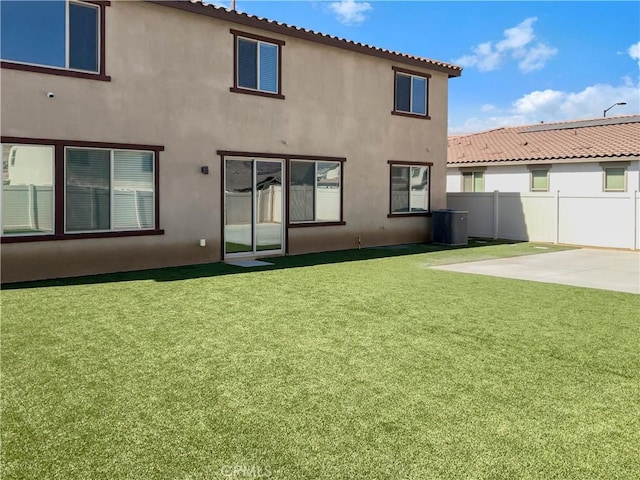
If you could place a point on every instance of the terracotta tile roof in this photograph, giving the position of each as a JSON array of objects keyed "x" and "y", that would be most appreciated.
[
  {"x": 201, "y": 7},
  {"x": 606, "y": 138}
]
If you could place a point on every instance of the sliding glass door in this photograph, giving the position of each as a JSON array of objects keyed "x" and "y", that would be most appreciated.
[{"x": 253, "y": 207}]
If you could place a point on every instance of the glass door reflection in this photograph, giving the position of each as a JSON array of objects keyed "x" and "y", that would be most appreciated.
[
  {"x": 254, "y": 207},
  {"x": 238, "y": 227}
]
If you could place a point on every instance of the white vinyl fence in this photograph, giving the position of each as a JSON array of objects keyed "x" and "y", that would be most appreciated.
[{"x": 599, "y": 220}]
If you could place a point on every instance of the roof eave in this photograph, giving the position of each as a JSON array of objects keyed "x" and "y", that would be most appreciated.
[
  {"x": 546, "y": 160},
  {"x": 291, "y": 31}
]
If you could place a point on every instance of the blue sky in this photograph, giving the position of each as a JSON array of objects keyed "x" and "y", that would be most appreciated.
[{"x": 524, "y": 62}]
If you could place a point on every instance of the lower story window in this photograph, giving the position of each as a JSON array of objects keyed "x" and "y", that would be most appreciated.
[
  {"x": 108, "y": 190},
  {"x": 65, "y": 188},
  {"x": 27, "y": 189},
  {"x": 539, "y": 180},
  {"x": 615, "y": 179},
  {"x": 409, "y": 188},
  {"x": 315, "y": 191},
  {"x": 473, "y": 181}
]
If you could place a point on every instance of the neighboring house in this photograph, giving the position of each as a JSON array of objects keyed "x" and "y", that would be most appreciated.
[
  {"x": 147, "y": 134},
  {"x": 571, "y": 182},
  {"x": 579, "y": 157}
]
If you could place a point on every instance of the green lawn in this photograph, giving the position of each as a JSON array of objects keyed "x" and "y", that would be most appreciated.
[{"x": 352, "y": 365}]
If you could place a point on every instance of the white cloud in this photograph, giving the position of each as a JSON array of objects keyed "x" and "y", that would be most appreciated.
[
  {"x": 350, "y": 12},
  {"x": 535, "y": 57},
  {"x": 634, "y": 52},
  {"x": 487, "y": 107},
  {"x": 556, "y": 106},
  {"x": 517, "y": 44}
]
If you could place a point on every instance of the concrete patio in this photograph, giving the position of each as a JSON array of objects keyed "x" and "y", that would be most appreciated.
[{"x": 616, "y": 270}]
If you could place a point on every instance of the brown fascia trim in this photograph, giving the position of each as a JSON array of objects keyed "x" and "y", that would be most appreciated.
[
  {"x": 402, "y": 163},
  {"x": 100, "y": 75},
  {"x": 544, "y": 166},
  {"x": 290, "y": 31},
  {"x": 472, "y": 169},
  {"x": 58, "y": 200},
  {"x": 248, "y": 91}
]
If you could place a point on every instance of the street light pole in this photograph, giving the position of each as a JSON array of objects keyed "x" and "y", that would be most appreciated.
[{"x": 604, "y": 114}]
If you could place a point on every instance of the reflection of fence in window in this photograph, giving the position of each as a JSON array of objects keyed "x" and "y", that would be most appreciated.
[
  {"x": 269, "y": 203},
  {"x": 88, "y": 208},
  {"x": 269, "y": 206},
  {"x": 328, "y": 199},
  {"x": 301, "y": 203},
  {"x": 132, "y": 209},
  {"x": 27, "y": 208}
]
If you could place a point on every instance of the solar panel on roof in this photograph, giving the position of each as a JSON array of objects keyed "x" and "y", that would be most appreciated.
[{"x": 584, "y": 123}]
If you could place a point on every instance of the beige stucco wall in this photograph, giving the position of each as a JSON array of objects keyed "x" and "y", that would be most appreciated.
[{"x": 170, "y": 86}]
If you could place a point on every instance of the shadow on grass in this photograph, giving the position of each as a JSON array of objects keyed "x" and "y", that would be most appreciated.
[{"x": 186, "y": 272}]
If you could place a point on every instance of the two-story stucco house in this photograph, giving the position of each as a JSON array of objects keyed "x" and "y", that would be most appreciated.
[{"x": 148, "y": 134}]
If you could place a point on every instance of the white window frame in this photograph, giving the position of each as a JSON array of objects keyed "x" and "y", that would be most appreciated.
[
  {"x": 428, "y": 191},
  {"x": 258, "y": 69},
  {"x": 426, "y": 99},
  {"x": 111, "y": 190},
  {"x": 315, "y": 192},
  {"x": 53, "y": 189}
]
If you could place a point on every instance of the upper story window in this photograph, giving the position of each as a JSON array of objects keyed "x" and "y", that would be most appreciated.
[
  {"x": 411, "y": 93},
  {"x": 410, "y": 182},
  {"x": 257, "y": 65},
  {"x": 54, "y": 36}
]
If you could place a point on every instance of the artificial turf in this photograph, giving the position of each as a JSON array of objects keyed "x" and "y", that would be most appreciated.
[{"x": 352, "y": 365}]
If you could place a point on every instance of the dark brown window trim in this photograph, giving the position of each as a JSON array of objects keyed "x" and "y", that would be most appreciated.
[
  {"x": 283, "y": 156},
  {"x": 412, "y": 115},
  {"x": 315, "y": 224},
  {"x": 100, "y": 75},
  {"x": 53, "y": 71},
  {"x": 401, "y": 163},
  {"x": 413, "y": 164},
  {"x": 411, "y": 72},
  {"x": 79, "y": 143},
  {"x": 401, "y": 113},
  {"x": 416, "y": 214},
  {"x": 257, "y": 93},
  {"x": 260, "y": 38},
  {"x": 288, "y": 188},
  {"x": 83, "y": 236},
  {"x": 59, "y": 146},
  {"x": 260, "y": 93},
  {"x": 287, "y": 157}
]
